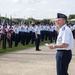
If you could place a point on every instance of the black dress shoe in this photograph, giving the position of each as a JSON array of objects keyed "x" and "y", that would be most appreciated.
[{"x": 38, "y": 50}]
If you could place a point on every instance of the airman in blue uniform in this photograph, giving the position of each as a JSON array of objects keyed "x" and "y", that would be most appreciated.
[{"x": 64, "y": 45}]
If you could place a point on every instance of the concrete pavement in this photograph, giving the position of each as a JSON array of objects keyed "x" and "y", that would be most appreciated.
[{"x": 31, "y": 62}]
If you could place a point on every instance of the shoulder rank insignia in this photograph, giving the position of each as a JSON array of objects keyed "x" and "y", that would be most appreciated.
[{"x": 63, "y": 28}]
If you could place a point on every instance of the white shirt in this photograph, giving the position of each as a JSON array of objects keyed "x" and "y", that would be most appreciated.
[
  {"x": 33, "y": 29},
  {"x": 65, "y": 36},
  {"x": 29, "y": 29},
  {"x": 37, "y": 29},
  {"x": 73, "y": 27},
  {"x": 22, "y": 28},
  {"x": 45, "y": 28},
  {"x": 51, "y": 28},
  {"x": 54, "y": 27},
  {"x": 42, "y": 28},
  {"x": 16, "y": 30}
]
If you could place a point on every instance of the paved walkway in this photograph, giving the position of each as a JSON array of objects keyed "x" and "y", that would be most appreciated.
[{"x": 31, "y": 62}]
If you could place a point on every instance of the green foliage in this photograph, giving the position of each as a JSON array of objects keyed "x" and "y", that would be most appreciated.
[
  {"x": 30, "y": 20},
  {"x": 72, "y": 16},
  {"x": 16, "y": 20},
  {"x": 46, "y": 21},
  {"x": 2, "y": 19}
]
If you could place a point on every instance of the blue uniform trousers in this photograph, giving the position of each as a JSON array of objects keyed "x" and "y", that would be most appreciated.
[
  {"x": 63, "y": 59},
  {"x": 37, "y": 42}
]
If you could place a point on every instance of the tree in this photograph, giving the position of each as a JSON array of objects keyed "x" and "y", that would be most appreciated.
[
  {"x": 72, "y": 16},
  {"x": 30, "y": 20},
  {"x": 2, "y": 19},
  {"x": 17, "y": 20},
  {"x": 45, "y": 21}
]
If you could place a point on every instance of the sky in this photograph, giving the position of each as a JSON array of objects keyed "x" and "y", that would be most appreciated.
[{"x": 37, "y": 9}]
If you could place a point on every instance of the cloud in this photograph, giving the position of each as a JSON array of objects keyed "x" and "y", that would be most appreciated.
[
  {"x": 36, "y": 8},
  {"x": 25, "y": 1},
  {"x": 30, "y": 10},
  {"x": 28, "y": 1},
  {"x": 44, "y": 2},
  {"x": 16, "y": 1}
]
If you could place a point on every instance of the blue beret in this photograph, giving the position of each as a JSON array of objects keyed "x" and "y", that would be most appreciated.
[{"x": 60, "y": 15}]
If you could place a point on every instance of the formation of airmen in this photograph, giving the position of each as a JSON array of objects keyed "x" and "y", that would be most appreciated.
[
  {"x": 25, "y": 33},
  {"x": 72, "y": 27}
]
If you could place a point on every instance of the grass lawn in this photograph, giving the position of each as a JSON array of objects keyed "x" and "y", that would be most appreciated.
[{"x": 19, "y": 47}]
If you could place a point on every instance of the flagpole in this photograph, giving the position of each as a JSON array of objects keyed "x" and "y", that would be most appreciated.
[{"x": 0, "y": 18}]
